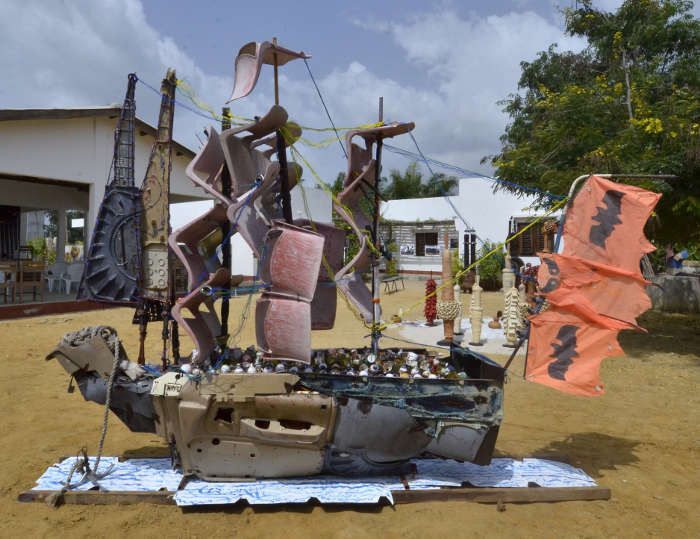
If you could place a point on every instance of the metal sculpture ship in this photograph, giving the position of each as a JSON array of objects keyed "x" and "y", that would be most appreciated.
[{"x": 278, "y": 409}]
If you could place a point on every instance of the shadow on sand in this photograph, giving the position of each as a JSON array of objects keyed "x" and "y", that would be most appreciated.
[
  {"x": 301, "y": 508},
  {"x": 667, "y": 333},
  {"x": 591, "y": 451}
]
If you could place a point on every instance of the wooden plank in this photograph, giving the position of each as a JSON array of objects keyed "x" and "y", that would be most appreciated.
[
  {"x": 506, "y": 495},
  {"x": 23, "y": 310},
  {"x": 96, "y": 497},
  {"x": 478, "y": 495}
]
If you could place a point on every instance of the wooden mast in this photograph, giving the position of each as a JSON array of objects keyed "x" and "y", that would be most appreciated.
[
  {"x": 157, "y": 282},
  {"x": 282, "y": 153},
  {"x": 376, "y": 310}
]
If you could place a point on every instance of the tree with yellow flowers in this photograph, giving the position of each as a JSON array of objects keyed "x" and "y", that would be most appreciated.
[{"x": 628, "y": 103}]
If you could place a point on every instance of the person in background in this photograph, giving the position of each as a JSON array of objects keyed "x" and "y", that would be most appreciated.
[{"x": 672, "y": 262}]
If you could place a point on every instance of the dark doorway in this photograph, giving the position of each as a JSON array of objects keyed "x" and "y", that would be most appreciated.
[
  {"x": 9, "y": 231},
  {"x": 423, "y": 239}
]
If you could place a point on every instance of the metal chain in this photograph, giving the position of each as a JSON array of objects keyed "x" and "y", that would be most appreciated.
[{"x": 83, "y": 464}]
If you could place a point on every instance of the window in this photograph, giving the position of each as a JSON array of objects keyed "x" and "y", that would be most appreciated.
[
  {"x": 530, "y": 242},
  {"x": 424, "y": 239}
]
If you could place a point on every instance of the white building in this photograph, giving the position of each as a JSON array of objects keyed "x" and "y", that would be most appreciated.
[
  {"x": 418, "y": 225},
  {"x": 242, "y": 261},
  {"x": 59, "y": 160}
]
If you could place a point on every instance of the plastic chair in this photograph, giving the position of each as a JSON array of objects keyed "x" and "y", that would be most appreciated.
[
  {"x": 55, "y": 274},
  {"x": 7, "y": 284},
  {"x": 74, "y": 273}
]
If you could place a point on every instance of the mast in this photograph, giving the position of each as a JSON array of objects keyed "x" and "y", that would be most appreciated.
[
  {"x": 376, "y": 312},
  {"x": 157, "y": 282},
  {"x": 112, "y": 260},
  {"x": 225, "y": 231},
  {"x": 123, "y": 167},
  {"x": 282, "y": 153}
]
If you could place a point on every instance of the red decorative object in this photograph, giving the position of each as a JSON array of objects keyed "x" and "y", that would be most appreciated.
[{"x": 430, "y": 302}]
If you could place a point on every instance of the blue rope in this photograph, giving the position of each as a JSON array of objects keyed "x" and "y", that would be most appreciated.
[
  {"x": 465, "y": 172},
  {"x": 445, "y": 195},
  {"x": 176, "y": 101},
  {"x": 399, "y": 151},
  {"x": 318, "y": 91}
]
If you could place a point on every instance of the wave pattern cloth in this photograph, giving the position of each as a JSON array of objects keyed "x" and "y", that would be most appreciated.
[
  {"x": 152, "y": 475},
  {"x": 594, "y": 288}
]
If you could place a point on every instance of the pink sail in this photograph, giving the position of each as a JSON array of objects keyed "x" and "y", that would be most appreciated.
[
  {"x": 292, "y": 260},
  {"x": 283, "y": 327},
  {"x": 250, "y": 60},
  {"x": 360, "y": 183}
]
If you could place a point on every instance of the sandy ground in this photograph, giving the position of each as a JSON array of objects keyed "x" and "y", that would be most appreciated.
[{"x": 641, "y": 439}]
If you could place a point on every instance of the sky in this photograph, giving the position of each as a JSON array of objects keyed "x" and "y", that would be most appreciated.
[{"x": 442, "y": 64}]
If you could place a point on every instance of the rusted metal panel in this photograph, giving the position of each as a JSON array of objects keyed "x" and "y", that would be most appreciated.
[{"x": 155, "y": 193}]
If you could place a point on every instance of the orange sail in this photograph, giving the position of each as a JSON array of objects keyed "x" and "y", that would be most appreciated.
[{"x": 594, "y": 289}]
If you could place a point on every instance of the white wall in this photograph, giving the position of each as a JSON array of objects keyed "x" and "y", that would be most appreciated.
[
  {"x": 78, "y": 150},
  {"x": 487, "y": 212},
  {"x": 424, "y": 264},
  {"x": 41, "y": 196},
  {"x": 242, "y": 260}
]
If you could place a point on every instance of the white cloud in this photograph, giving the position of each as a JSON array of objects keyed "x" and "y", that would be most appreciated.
[
  {"x": 472, "y": 63},
  {"x": 78, "y": 53}
]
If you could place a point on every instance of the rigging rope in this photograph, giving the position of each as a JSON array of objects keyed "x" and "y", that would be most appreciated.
[
  {"x": 445, "y": 196},
  {"x": 549, "y": 197},
  {"x": 83, "y": 464},
  {"x": 185, "y": 89},
  {"x": 323, "y": 102}
]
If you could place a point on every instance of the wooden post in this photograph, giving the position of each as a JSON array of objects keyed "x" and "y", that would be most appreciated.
[
  {"x": 226, "y": 232},
  {"x": 282, "y": 154},
  {"x": 447, "y": 292},
  {"x": 376, "y": 308},
  {"x": 277, "y": 88},
  {"x": 458, "y": 298}
]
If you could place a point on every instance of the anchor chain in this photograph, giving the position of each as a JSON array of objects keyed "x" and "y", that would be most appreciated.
[{"x": 82, "y": 463}]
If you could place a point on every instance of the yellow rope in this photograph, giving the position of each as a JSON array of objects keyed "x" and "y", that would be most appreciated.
[
  {"x": 187, "y": 90},
  {"x": 326, "y": 264},
  {"x": 329, "y": 191}
]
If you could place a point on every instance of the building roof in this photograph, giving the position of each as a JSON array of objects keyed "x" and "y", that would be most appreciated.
[
  {"x": 107, "y": 111},
  {"x": 411, "y": 210}
]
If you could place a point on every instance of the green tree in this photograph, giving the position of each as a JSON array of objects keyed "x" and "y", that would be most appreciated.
[
  {"x": 337, "y": 185},
  {"x": 404, "y": 185},
  {"x": 628, "y": 103},
  {"x": 412, "y": 184}
]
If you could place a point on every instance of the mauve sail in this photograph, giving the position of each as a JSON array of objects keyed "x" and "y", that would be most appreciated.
[
  {"x": 283, "y": 313},
  {"x": 250, "y": 60},
  {"x": 249, "y": 206},
  {"x": 594, "y": 288},
  {"x": 360, "y": 185}
]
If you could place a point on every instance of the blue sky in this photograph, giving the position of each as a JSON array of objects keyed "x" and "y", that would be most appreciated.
[{"x": 443, "y": 64}]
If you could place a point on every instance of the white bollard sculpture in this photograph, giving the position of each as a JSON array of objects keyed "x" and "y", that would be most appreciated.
[
  {"x": 508, "y": 275},
  {"x": 511, "y": 317},
  {"x": 476, "y": 314},
  {"x": 458, "y": 298}
]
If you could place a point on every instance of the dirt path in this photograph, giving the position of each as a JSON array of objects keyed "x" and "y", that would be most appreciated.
[{"x": 641, "y": 439}]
